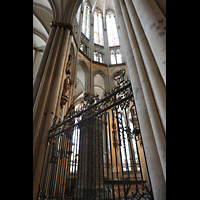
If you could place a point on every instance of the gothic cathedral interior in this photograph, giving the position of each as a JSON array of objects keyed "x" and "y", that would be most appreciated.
[{"x": 99, "y": 99}]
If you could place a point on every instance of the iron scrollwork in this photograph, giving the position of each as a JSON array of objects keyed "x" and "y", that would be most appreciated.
[{"x": 90, "y": 154}]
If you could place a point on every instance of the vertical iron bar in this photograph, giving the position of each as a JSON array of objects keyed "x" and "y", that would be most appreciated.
[
  {"x": 45, "y": 169},
  {"x": 76, "y": 159},
  {"x": 91, "y": 157},
  {"x": 48, "y": 170},
  {"x": 125, "y": 151},
  {"x": 134, "y": 169},
  {"x": 116, "y": 155},
  {"x": 80, "y": 162},
  {"x": 59, "y": 167},
  {"x": 106, "y": 138},
  {"x": 151, "y": 192},
  {"x": 82, "y": 157},
  {"x": 102, "y": 155},
  {"x": 120, "y": 152},
  {"x": 99, "y": 155},
  {"x": 74, "y": 138},
  {"x": 65, "y": 146},
  {"x": 85, "y": 159},
  {"x": 95, "y": 154},
  {"x": 68, "y": 164},
  {"x": 111, "y": 164}
]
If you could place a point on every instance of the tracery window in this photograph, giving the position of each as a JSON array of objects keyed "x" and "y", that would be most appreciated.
[
  {"x": 98, "y": 27},
  {"x": 118, "y": 56},
  {"x": 112, "y": 57},
  {"x": 113, "y": 39},
  {"x": 95, "y": 56},
  {"x": 115, "y": 56},
  {"x": 98, "y": 57},
  {"x": 86, "y": 20}
]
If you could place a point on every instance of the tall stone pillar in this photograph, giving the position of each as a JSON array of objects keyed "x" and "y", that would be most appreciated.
[
  {"x": 151, "y": 152},
  {"x": 155, "y": 79},
  {"x": 90, "y": 181},
  {"x": 53, "y": 94},
  {"x": 106, "y": 56},
  {"x": 151, "y": 106},
  {"x": 41, "y": 68},
  {"x": 154, "y": 24},
  {"x": 41, "y": 103},
  {"x": 91, "y": 42}
]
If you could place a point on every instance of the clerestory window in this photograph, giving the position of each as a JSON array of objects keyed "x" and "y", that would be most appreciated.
[
  {"x": 98, "y": 57},
  {"x": 115, "y": 56},
  {"x": 86, "y": 20},
  {"x": 98, "y": 27},
  {"x": 113, "y": 39}
]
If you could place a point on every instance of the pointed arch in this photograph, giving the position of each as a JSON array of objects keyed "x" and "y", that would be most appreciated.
[
  {"x": 83, "y": 74},
  {"x": 104, "y": 76}
]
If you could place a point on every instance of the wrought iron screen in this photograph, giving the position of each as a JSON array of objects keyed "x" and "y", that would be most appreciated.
[{"x": 96, "y": 152}]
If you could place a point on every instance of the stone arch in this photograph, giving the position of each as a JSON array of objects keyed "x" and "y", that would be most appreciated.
[
  {"x": 105, "y": 78},
  {"x": 82, "y": 69}
]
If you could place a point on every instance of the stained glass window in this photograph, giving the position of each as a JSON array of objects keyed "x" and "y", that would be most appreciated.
[
  {"x": 112, "y": 57},
  {"x": 98, "y": 27},
  {"x": 100, "y": 57},
  {"x": 118, "y": 56},
  {"x": 95, "y": 29},
  {"x": 96, "y": 56},
  {"x": 113, "y": 39},
  {"x": 86, "y": 21}
]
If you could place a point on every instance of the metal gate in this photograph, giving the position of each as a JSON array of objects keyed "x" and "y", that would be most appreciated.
[{"x": 96, "y": 152}]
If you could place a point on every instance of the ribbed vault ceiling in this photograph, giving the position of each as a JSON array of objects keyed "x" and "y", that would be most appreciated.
[{"x": 43, "y": 15}]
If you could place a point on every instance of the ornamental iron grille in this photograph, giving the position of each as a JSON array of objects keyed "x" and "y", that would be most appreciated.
[{"x": 96, "y": 152}]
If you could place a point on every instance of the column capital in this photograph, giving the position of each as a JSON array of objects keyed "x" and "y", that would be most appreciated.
[{"x": 61, "y": 24}]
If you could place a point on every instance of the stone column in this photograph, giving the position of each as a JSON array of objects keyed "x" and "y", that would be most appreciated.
[
  {"x": 39, "y": 113},
  {"x": 91, "y": 160},
  {"x": 91, "y": 42},
  {"x": 154, "y": 25},
  {"x": 41, "y": 68},
  {"x": 152, "y": 157},
  {"x": 53, "y": 97},
  {"x": 148, "y": 96},
  {"x": 155, "y": 79},
  {"x": 106, "y": 56},
  {"x": 37, "y": 58}
]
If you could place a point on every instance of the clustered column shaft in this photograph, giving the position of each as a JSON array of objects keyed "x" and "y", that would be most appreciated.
[{"x": 147, "y": 75}]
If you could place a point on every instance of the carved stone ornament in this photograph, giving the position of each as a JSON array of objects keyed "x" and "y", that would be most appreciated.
[{"x": 61, "y": 24}]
